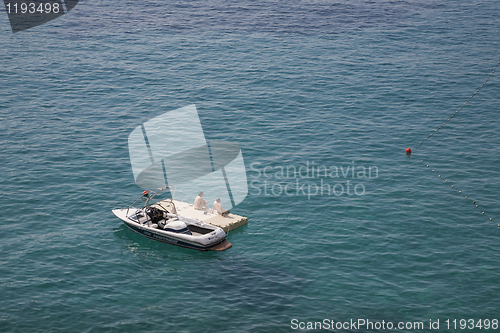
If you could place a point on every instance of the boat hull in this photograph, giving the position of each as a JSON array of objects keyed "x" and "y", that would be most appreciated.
[{"x": 205, "y": 243}]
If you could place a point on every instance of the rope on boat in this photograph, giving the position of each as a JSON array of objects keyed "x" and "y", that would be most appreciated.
[{"x": 449, "y": 119}]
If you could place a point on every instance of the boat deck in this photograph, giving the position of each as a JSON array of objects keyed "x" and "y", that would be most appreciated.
[{"x": 228, "y": 223}]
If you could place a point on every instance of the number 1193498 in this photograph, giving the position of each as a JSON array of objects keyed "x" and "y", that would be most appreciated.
[
  {"x": 32, "y": 8},
  {"x": 472, "y": 324}
]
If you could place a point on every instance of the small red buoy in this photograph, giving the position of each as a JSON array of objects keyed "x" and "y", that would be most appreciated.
[
  {"x": 145, "y": 193},
  {"x": 408, "y": 150}
]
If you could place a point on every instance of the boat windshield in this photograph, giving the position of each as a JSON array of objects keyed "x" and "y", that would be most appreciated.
[{"x": 161, "y": 198}]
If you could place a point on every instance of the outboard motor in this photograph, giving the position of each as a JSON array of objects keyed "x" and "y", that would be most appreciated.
[{"x": 178, "y": 227}]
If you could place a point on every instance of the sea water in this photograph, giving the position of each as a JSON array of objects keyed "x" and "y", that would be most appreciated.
[{"x": 323, "y": 98}]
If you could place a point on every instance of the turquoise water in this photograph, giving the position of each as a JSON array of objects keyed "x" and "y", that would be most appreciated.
[{"x": 345, "y": 85}]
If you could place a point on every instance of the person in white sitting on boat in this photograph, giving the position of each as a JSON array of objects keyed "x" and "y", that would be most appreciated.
[
  {"x": 218, "y": 208},
  {"x": 200, "y": 203}
]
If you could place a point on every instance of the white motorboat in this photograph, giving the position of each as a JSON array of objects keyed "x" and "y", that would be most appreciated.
[{"x": 160, "y": 221}]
